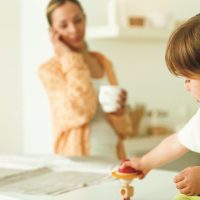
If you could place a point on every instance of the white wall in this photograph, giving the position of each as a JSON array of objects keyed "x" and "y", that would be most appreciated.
[
  {"x": 35, "y": 50},
  {"x": 141, "y": 69},
  {"x": 139, "y": 65},
  {"x": 10, "y": 78}
]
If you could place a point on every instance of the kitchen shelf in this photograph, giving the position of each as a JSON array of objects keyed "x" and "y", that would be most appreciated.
[
  {"x": 112, "y": 32},
  {"x": 117, "y": 25}
]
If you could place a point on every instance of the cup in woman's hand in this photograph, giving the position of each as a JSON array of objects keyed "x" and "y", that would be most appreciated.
[{"x": 109, "y": 96}]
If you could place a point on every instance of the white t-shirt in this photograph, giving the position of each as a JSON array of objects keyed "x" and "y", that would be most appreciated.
[{"x": 189, "y": 135}]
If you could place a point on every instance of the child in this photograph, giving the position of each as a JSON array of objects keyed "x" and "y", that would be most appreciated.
[{"x": 183, "y": 59}]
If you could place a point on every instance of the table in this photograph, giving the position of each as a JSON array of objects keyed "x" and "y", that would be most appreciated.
[{"x": 158, "y": 185}]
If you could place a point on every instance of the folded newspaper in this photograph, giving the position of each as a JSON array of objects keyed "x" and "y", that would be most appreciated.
[{"x": 43, "y": 177}]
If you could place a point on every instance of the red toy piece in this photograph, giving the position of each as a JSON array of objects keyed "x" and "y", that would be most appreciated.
[{"x": 128, "y": 170}]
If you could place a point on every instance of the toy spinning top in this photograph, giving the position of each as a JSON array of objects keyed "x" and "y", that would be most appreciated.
[{"x": 126, "y": 176}]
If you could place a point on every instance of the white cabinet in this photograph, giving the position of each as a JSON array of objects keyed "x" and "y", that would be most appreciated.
[
  {"x": 116, "y": 23},
  {"x": 105, "y": 32}
]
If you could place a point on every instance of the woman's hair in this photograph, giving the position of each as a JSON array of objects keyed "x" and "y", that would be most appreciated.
[
  {"x": 53, "y": 4},
  {"x": 183, "y": 49}
]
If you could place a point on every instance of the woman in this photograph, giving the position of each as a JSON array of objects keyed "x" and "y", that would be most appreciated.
[{"x": 71, "y": 79}]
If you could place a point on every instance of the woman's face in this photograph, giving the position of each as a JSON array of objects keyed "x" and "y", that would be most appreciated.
[
  {"x": 69, "y": 21},
  {"x": 193, "y": 86}
]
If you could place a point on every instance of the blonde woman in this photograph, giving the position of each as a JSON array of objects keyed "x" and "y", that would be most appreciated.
[{"x": 72, "y": 78}]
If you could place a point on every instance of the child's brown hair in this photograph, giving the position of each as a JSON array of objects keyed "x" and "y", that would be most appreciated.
[{"x": 183, "y": 49}]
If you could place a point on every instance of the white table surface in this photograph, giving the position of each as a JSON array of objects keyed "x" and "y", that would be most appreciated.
[{"x": 158, "y": 185}]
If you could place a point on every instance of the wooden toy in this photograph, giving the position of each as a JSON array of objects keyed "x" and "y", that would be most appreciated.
[{"x": 126, "y": 176}]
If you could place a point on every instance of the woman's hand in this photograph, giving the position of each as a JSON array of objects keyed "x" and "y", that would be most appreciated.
[
  {"x": 121, "y": 102},
  {"x": 188, "y": 181},
  {"x": 59, "y": 46}
]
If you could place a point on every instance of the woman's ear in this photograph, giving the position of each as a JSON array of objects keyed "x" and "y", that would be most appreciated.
[{"x": 50, "y": 29}]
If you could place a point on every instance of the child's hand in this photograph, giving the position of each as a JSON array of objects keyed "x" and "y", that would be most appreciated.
[
  {"x": 128, "y": 169},
  {"x": 188, "y": 181},
  {"x": 136, "y": 163}
]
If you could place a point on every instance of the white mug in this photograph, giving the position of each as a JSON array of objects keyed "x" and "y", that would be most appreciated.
[{"x": 108, "y": 97}]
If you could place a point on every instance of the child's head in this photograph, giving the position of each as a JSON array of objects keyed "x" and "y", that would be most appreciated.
[{"x": 183, "y": 49}]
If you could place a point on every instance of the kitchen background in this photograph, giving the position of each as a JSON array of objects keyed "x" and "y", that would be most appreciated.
[{"x": 132, "y": 33}]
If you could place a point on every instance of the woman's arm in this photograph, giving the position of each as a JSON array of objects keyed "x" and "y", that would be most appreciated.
[
  {"x": 121, "y": 122},
  {"x": 69, "y": 87}
]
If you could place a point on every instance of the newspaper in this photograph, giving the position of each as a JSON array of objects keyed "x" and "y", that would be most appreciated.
[
  {"x": 6, "y": 172},
  {"x": 54, "y": 180},
  {"x": 88, "y": 163}
]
